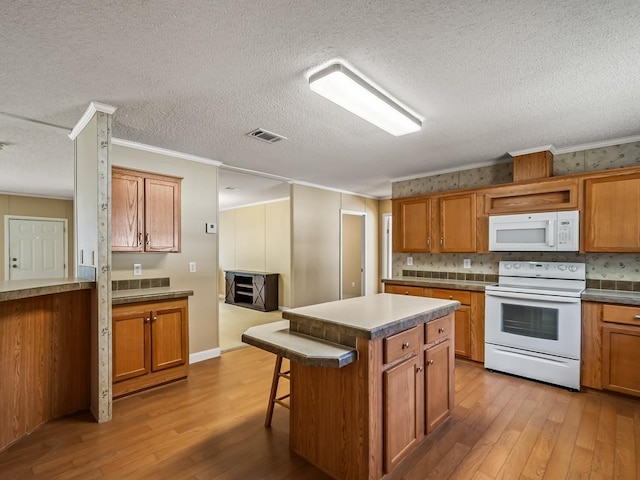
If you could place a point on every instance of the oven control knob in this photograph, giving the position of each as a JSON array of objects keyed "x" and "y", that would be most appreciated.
[
  {"x": 562, "y": 268},
  {"x": 507, "y": 266},
  {"x": 516, "y": 266},
  {"x": 573, "y": 268}
]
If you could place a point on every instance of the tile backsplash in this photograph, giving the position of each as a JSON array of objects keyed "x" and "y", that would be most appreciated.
[
  {"x": 137, "y": 283},
  {"x": 611, "y": 270}
]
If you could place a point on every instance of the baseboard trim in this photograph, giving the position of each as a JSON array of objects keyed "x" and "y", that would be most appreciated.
[{"x": 204, "y": 355}]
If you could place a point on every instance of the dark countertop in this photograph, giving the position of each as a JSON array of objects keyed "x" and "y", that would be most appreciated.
[
  {"x": 17, "y": 289},
  {"x": 438, "y": 283},
  {"x": 122, "y": 297},
  {"x": 621, "y": 297}
]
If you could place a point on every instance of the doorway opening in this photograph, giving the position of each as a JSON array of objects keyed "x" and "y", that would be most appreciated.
[
  {"x": 352, "y": 254},
  {"x": 387, "y": 245}
]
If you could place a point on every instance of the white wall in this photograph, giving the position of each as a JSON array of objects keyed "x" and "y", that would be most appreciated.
[{"x": 199, "y": 206}]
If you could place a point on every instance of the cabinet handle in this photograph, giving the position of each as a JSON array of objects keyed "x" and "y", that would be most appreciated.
[
  {"x": 441, "y": 330},
  {"x": 430, "y": 362},
  {"x": 139, "y": 239},
  {"x": 405, "y": 345},
  {"x": 450, "y": 297},
  {"x": 419, "y": 369},
  {"x": 406, "y": 292},
  {"x": 637, "y": 317},
  {"x": 147, "y": 319},
  {"x": 155, "y": 318},
  {"x": 148, "y": 238},
  {"x": 442, "y": 241},
  {"x": 429, "y": 242}
]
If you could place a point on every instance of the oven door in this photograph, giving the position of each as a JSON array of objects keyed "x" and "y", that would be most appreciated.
[{"x": 538, "y": 323}]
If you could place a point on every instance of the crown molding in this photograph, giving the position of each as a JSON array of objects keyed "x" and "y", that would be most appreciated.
[
  {"x": 602, "y": 144},
  {"x": 91, "y": 110},
  {"x": 331, "y": 189},
  {"x": 527, "y": 151},
  {"x": 163, "y": 151},
  {"x": 452, "y": 170}
]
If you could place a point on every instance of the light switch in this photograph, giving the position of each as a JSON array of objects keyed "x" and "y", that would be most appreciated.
[{"x": 192, "y": 267}]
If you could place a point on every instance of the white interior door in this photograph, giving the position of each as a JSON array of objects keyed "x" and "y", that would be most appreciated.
[{"x": 37, "y": 248}]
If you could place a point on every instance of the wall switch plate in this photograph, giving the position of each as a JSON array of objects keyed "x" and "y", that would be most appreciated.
[
  {"x": 211, "y": 227},
  {"x": 137, "y": 269},
  {"x": 409, "y": 260},
  {"x": 466, "y": 263},
  {"x": 192, "y": 267}
]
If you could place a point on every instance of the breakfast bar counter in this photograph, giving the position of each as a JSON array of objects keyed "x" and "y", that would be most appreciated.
[{"x": 359, "y": 419}]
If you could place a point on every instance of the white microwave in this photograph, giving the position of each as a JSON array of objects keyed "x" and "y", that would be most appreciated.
[{"x": 535, "y": 232}]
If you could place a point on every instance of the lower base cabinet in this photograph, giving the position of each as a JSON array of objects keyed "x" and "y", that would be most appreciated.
[
  {"x": 150, "y": 344},
  {"x": 361, "y": 421}
]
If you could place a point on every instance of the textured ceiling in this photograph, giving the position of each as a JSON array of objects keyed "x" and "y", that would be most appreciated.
[{"x": 487, "y": 77}]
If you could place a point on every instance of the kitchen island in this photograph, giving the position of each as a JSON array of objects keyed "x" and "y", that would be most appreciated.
[{"x": 390, "y": 385}]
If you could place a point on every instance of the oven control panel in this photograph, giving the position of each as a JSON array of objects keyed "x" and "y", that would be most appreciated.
[{"x": 568, "y": 270}]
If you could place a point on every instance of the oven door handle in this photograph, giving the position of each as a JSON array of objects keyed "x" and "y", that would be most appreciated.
[{"x": 528, "y": 296}]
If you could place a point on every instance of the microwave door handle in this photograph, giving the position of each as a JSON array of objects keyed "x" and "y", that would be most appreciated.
[
  {"x": 551, "y": 234},
  {"x": 528, "y": 296}
]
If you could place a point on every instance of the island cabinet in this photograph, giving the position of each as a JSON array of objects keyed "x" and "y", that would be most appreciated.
[
  {"x": 145, "y": 211},
  {"x": 361, "y": 421},
  {"x": 150, "y": 344}
]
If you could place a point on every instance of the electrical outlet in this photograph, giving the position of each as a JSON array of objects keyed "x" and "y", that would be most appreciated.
[
  {"x": 466, "y": 263},
  {"x": 192, "y": 267},
  {"x": 409, "y": 260},
  {"x": 137, "y": 269}
]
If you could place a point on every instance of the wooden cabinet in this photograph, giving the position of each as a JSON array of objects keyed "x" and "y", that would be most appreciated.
[
  {"x": 256, "y": 290},
  {"x": 150, "y": 344},
  {"x": 458, "y": 229},
  {"x": 469, "y": 318},
  {"x": 145, "y": 211},
  {"x": 438, "y": 388},
  {"x": 612, "y": 214},
  {"x": 418, "y": 386},
  {"x": 620, "y": 347},
  {"x": 412, "y": 225},
  {"x": 402, "y": 410}
]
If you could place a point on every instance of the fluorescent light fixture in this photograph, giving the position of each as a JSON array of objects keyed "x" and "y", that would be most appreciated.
[{"x": 340, "y": 85}]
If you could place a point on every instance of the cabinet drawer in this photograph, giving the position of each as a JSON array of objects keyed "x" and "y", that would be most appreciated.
[
  {"x": 438, "y": 329},
  {"x": 403, "y": 344},
  {"x": 404, "y": 290},
  {"x": 461, "y": 296},
  {"x": 621, "y": 314}
]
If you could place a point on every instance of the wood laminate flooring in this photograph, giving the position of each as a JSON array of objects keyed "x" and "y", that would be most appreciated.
[
  {"x": 234, "y": 321},
  {"x": 211, "y": 427}
]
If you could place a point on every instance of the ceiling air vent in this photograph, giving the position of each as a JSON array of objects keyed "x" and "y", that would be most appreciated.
[{"x": 265, "y": 135}]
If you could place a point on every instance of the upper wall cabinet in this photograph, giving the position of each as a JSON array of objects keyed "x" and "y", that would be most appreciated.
[
  {"x": 412, "y": 225},
  {"x": 145, "y": 211},
  {"x": 458, "y": 223},
  {"x": 539, "y": 196},
  {"x": 612, "y": 214}
]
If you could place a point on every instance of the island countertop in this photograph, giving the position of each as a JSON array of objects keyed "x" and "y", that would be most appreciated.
[
  {"x": 17, "y": 289},
  {"x": 370, "y": 317}
]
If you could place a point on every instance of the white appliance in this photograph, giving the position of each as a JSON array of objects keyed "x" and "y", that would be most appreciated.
[
  {"x": 535, "y": 232},
  {"x": 533, "y": 321}
]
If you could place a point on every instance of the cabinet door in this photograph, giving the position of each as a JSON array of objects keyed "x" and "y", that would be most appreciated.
[
  {"x": 458, "y": 223},
  {"x": 463, "y": 331},
  {"x": 402, "y": 411},
  {"x": 169, "y": 331},
  {"x": 127, "y": 203},
  {"x": 130, "y": 342},
  {"x": 620, "y": 359},
  {"x": 612, "y": 214},
  {"x": 438, "y": 387},
  {"x": 258, "y": 292},
  {"x": 162, "y": 215},
  {"x": 412, "y": 220}
]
